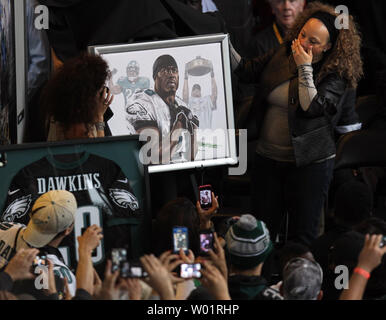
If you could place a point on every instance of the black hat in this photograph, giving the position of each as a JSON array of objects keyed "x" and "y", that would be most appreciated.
[{"x": 163, "y": 61}]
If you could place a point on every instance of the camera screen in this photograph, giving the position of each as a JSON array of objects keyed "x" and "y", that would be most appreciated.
[
  {"x": 132, "y": 270},
  {"x": 118, "y": 256},
  {"x": 136, "y": 272},
  {"x": 180, "y": 239},
  {"x": 206, "y": 241},
  {"x": 40, "y": 261},
  {"x": 190, "y": 270},
  {"x": 205, "y": 198}
]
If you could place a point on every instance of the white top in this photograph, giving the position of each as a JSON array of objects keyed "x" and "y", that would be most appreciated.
[
  {"x": 8, "y": 232},
  {"x": 202, "y": 108}
]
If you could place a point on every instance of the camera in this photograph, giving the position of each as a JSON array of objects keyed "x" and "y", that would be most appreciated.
[
  {"x": 180, "y": 239},
  {"x": 205, "y": 193},
  {"x": 188, "y": 270}
]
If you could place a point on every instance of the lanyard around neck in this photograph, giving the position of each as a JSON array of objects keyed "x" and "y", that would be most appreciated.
[{"x": 277, "y": 33}]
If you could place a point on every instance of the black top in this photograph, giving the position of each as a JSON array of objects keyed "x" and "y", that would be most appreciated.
[
  {"x": 242, "y": 287},
  {"x": 264, "y": 41},
  {"x": 6, "y": 282}
]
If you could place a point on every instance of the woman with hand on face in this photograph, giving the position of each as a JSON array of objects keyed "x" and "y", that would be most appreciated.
[
  {"x": 76, "y": 101},
  {"x": 301, "y": 100}
]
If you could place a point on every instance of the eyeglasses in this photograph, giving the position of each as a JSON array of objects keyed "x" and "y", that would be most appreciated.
[{"x": 166, "y": 70}]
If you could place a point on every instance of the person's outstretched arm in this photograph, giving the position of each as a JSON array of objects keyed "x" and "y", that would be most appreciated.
[
  {"x": 19, "y": 268},
  {"x": 159, "y": 277},
  {"x": 369, "y": 258},
  {"x": 84, "y": 271}
]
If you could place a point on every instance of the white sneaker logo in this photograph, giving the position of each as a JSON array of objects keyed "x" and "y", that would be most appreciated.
[
  {"x": 10, "y": 193},
  {"x": 124, "y": 181}
]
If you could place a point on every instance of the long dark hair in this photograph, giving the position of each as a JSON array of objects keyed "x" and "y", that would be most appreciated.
[{"x": 178, "y": 212}]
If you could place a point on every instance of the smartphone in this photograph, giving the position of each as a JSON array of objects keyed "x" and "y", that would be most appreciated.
[
  {"x": 40, "y": 261},
  {"x": 206, "y": 242},
  {"x": 190, "y": 270},
  {"x": 133, "y": 269},
  {"x": 205, "y": 193},
  {"x": 180, "y": 239},
  {"x": 118, "y": 259},
  {"x": 124, "y": 269}
]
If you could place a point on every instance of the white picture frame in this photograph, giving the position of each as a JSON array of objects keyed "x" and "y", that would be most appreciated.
[{"x": 200, "y": 59}]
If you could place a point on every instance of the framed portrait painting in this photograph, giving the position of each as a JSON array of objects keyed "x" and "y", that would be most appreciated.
[{"x": 177, "y": 95}]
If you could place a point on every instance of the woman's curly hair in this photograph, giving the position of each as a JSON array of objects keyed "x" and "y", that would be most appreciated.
[
  {"x": 345, "y": 59},
  {"x": 70, "y": 95}
]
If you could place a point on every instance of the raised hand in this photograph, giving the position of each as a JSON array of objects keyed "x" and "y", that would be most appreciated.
[
  {"x": 90, "y": 238},
  {"x": 171, "y": 261},
  {"x": 104, "y": 99},
  {"x": 206, "y": 215},
  {"x": 159, "y": 278},
  {"x": 19, "y": 268},
  {"x": 213, "y": 280},
  {"x": 371, "y": 254},
  {"x": 299, "y": 54},
  {"x": 218, "y": 257}
]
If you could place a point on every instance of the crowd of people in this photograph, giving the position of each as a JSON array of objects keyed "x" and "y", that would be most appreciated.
[
  {"x": 232, "y": 268},
  {"x": 303, "y": 74}
]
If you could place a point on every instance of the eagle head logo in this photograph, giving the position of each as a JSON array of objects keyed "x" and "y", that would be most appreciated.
[
  {"x": 124, "y": 199},
  {"x": 17, "y": 209}
]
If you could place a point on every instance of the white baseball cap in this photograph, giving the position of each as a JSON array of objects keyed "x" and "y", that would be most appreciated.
[{"x": 52, "y": 213}]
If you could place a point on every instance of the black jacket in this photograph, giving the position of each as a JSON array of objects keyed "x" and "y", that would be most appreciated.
[
  {"x": 242, "y": 287},
  {"x": 311, "y": 131},
  {"x": 264, "y": 41}
]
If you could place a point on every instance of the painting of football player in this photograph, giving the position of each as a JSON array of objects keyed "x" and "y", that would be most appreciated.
[
  {"x": 202, "y": 107},
  {"x": 129, "y": 84},
  {"x": 164, "y": 112}
]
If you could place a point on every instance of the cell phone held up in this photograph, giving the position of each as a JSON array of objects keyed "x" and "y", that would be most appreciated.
[
  {"x": 128, "y": 269},
  {"x": 205, "y": 195},
  {"x": 133, "y": 269},
  {"x": 206, "y": 242},
  {"x": 188, "y": 271},
  {"x": 180, "y": 239}
]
